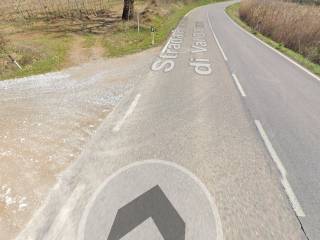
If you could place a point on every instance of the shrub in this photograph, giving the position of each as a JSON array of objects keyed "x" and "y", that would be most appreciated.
[{"x": 294, "y": 25}]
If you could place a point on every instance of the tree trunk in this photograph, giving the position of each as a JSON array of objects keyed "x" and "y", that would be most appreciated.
[{"x": 128, "y": 9}]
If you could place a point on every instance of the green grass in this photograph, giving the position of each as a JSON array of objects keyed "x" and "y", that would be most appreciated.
[
  {"x": 127, "y": 40},
  {"x": 89, "y": 40},
  {"x": 48, "y": 52},
  {"x": 233, "y": 12},
  {"x": 52, "y": 58}
]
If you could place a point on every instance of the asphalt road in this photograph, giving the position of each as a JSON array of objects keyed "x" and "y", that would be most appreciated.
[
  {"x": 230, "y": 120},
  {"x": 286, "y": 101}
]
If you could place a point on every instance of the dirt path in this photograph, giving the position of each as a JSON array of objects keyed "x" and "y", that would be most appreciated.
[
  {"x": 45, "y": 121},
  {"x": 79, "y": 53}
]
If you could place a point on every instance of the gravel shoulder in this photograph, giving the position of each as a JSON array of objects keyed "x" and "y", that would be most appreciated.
[{"x": 46, "y": 121}]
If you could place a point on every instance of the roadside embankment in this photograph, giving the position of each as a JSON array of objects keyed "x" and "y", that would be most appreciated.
[
  {"x": 294, "y": 25},
  {"x": 291, "y": 28}
]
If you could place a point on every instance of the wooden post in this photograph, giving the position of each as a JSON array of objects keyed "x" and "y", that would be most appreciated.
[
  {"x": 14, "y": 61},
  {"x": 153, "y": 34}
]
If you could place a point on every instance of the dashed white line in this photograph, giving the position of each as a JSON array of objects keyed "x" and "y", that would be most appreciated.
[
  {"x": 216, "y": 39},
  {"x": 293, "y": 199},
  {"x": 128, "y": 113},
  {"x": 270, "y": 148},
  {"x": 284, "y": 181},
  {"x": 276, "y": 51},
  {"x": 243, "y": 94}
]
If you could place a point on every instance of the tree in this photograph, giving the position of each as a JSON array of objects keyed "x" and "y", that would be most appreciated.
[{"x": 128, "y": 9}]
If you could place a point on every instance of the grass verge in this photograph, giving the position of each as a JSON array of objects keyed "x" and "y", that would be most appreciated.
[
  {"x": 39, "y": 51},
  {"x": 44, "y": 54},
  {"x": 233, "y": 12},
  {"x": 127, "y": 40}
]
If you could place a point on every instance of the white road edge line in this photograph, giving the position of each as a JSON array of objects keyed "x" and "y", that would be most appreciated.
[
  {"x": 60, "y": 221},
  {"x": 168, "y": 42},
  {"x": 128, "y": 113},
  {"x": 192, "y": 10},
  {"x": 216, "y": 39},
  {"x": 276, "y": 51},
  {"x": 243, "y": 94},
  {"x": 166, "y": 46},
  {"x": 284, "y": 181},
  {"x": 188, "y": 13}
]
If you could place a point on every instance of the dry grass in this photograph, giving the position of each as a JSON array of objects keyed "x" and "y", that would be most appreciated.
[
  {"x": 307, "y": 1},
  {"x": 3, "y": 53},
  {"x": 52, "y": 9},
  {"x": 294, "y": 25},
  {"x": 43, "y": 35},
  {"x": 39, "y": 33},
  {"x": 3, "y": 44},
  {"x": 30, "y": 9}
]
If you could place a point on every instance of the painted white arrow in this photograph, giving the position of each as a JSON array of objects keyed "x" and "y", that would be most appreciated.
[{"x": 151, "y": 204}]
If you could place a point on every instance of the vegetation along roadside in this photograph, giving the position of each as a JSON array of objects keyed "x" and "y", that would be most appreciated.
[
  {"x": 48, "y": 38},
  {"x": 291, "y": 28}
]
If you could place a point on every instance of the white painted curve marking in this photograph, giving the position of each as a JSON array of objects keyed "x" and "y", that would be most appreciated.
[
  {"x": 188, "y": 13},
  {"x": 243, "y": 94},
  {"x": 284, "y": 181},
  {"x": 275, "y": 50},
  {"x": 128, "y": 113},
  {"x": 192, "y": 11},
  {"x": 216, "y": 39},
  {"x": 202, "y": 186}
]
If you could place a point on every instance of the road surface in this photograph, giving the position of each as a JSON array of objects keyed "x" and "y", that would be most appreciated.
[
  {"x": 285, "y": 99},
  {"x": 216, "y": 104},
  {"x": 46, "y": 121}
]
